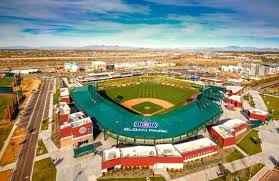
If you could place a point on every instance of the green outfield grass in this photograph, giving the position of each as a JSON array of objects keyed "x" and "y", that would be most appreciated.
[
  {"x": 147, "y": 108},
  {"x": 7, "y": 81},
  {"x": 174, "y": 95}
]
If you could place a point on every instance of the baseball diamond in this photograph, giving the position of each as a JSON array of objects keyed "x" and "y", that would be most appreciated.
[
  {"x": 179, "y": 123},
  {"x": 147, "y": 108},
  {"x": 164, "y": 96}
]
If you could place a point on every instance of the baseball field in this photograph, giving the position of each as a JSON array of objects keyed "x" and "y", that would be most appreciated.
[{"x": 149, "y": 98}]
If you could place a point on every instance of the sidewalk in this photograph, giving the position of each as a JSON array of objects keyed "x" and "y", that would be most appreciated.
[
  {"x": 240, "y": 150},
  {"x": 7, "y": 167},
  {"x": 257, "y": 98},
  {"x": 164, "y": 173},
  {"x": 38, "y": 158},
  {"x": 261, "y": 173},
  {"x": 236, "y": 165}
]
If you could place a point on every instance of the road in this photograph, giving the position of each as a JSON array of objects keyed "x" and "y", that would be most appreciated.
[{"x": 36, "y": 111}]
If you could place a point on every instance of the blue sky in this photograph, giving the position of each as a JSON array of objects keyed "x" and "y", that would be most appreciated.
[{"x": 140, "y": 23}]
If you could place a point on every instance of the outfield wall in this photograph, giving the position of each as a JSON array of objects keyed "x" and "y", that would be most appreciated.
[{"x": 157, "y": 79}]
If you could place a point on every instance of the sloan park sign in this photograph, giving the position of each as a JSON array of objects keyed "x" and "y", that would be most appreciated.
[{"x": 144, "y": 126}]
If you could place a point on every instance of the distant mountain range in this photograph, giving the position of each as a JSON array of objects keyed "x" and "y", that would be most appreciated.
[{"x": 105, "y": 47}]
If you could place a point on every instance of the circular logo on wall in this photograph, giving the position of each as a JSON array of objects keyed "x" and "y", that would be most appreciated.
[
  {"x": 143, "y": 124},
  {"x": 82, "y": 130}
]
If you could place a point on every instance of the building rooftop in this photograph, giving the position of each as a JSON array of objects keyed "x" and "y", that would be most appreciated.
[
  {"x": 64, "y": 108},
  {"x": 78, "y": 118},
  {"x": 226, "y": 129},
  {"x": 233, "y": 88},
  {"x": 138, "y": 151},
  {"x": 235, "y": 98},
  {"x": 194, "y": 145},
  {"x": 167, "y": 150},
  {"x": 64, "y": 92},
  {"x": 98, "y": 63},
  {"x": 111, "y": 154},
  {"x": 258, "y": 112}
]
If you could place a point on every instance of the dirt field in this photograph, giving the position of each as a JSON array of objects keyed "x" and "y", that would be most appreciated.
[
  {"x": 28, "y": 85},
  {"x": 208, "y": 62},
  {"x": 6, "y": 175},
  {"x": 12, "y": 151}
]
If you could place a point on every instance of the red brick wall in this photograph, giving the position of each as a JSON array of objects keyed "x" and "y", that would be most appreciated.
[
  {"x": 241, "y": 127},
  {"x": 224, "y": 142},
  {"x": 111, "y": 163},
  {"x": 200, "y": 152},
  {"x": 140, "y": 161},
  {"x": 228, "y": 141},
  {"x": 66, "y": 99},
  {"x": 78, "y": 131},
  {"x": 235, "y": 103},
  {"x": 257, "y": 117},
  {"x": 63, "y": 118},
  {"x": 66, "y": 131}
]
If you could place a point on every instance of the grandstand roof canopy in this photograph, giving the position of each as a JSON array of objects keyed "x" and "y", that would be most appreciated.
[{"x": 114, "y": 118}]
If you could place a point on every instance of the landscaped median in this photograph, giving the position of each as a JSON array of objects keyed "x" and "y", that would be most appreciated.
[
  {"x": 130, "y": 174},
  {"x": 249, "y": 99},
  {"x": 243, "y": 175},
  {"x": 44, "y": 170},
  {"x": 134, "y": 179},
  {"x": 41, "y": 148},
  {"x": 44, "y": 125},
  {"x": 250, "y": 144}
]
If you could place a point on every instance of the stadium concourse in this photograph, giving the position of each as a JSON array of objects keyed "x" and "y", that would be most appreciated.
[{"x": 128, "y": 127}]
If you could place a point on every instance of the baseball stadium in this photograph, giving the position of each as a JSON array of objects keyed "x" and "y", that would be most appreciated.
[{"x": 149, "y": 110}]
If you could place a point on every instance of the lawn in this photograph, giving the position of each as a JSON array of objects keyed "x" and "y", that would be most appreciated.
[
  {"x": 132, "y": 179},
  {"x": 147, "y": 108},
  {"x": 272, "y": 104},
  {"x": 234, "y": 155},
  {"x": 244, "y": 174},
  {"x": 56, "y": 97},
  {"x": 248, "y": 146},
  {"x": 174, "y": 95},
  {"x": 41, "y": 148},
  {"x": 5, "y": 129},
  {"x": 44, "y": 170},
  {"x": 44, "y": 124}
]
